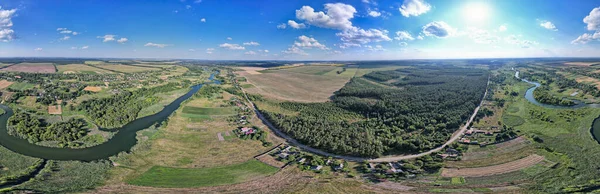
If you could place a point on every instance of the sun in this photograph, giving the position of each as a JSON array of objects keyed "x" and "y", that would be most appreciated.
[{"x": 476, "y": 12}]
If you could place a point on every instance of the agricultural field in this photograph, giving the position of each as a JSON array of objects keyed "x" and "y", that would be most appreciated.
[
  {"x": 5, "y": 84},
  {"x": 21, "y": 86},
  {"x": 81, "y": 68},
  {"x": 126, "y": 68},
  {"x": 300, "y": 84},
  {"x": 159, "y": 176},
  {"x": 493, "y": 170},
  {"x": 31, "y": 68}
]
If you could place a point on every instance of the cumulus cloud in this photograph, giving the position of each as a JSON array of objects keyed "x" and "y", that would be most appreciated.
[
  {"x": 122, "y": 40},
  {"x": 65, "y": 38},
  {"x": 209, "y": 50},
  {"x": 364, "y": 36},
  {"x": 308, "y": 42},
  {"x": 281, "y": 26},
  {"x": 203, "y": 20},
  {"x": 593, "y": 19},
  {"x": 375, "y": 48},
  {"x": 251, "y": 43},
  {"x": 250, "y": 53},
  {"x": 229, "y": 38},
  {"x": 414, "y": 7},
  {"x": 6, "y": 32},
  {"x": 348, "y": 45},
  {"x": 482, "y": 36},
  {"x": 85, "y": 47},
  {"x": 107, "y": 38},
  {"x": 502, "y": 28},
  {"x": 438, "y": 29},
  {"x": 294, "y": 50},
  {"x": 585, "y": 38},
  {"x": 38, "y": 49},
  {"x": 156, "y": 45},
  {"x": 336, "y": 16},
  {"x": 403, "y": 35},
  {"x": 232, "y": 46},
  {"x": 548, "y": 25},
  {"x": 66, "y": 32},
  {"x": 374, "y": 14},
  {"x": 403, "y": 44},
  {"x": 513, "y": 39},
  {"x": 296, "y": 25}
]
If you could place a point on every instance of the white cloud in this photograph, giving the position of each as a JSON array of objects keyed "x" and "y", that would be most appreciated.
[
  {"x": 482, "y": 36},
  {"x": 232, "y": 46},
  {"x": 281, "y": 26},
  {"x": 85, "y": 47},
  {"x": 198, "y": 1},
  {"x": 203, "y": 20},
  {"x": 438, "y": 29},
  {"x": 336, "y": 16},
  {"x": 229, "y": 38},
  {"x": 502, "y": 28},
  {"x": 403, "y": 44},
  {"x": 266, "y": 51},
  {"x": 593, "y": 19},
  {"x": 513, "y": 39},
  {"x": 38, "y": 49},
  {"x": 73, "y": 48},
  {"x": 192, "y": 50},
  {"x": 76, "y": 33},
  {"x": 414, "y": 7},
  {"x": 374, "y": 14},
  {"x": 336, "y": 52},
  {"x": 308, "y": 42},
  {"x": 107, "y": 38},
  {"x": 65, "y": 38},
  {"x": 585, "y": 38},
  {"x": 375, "y": 48},
  {"x": 296, "y": 25},
  {"x": 6, "y": 32},
  {"x": 420, "y": 37},
  {"x": 251, "y": 43},
  {"x": 548, "y": 25},
  {"x": 61, "y": 29},
  {"x": 156, "y": 45},
  {"x": 66, "y": 32},
  {"x": 250, "y": 53},
  {"x": 209, "y": 50},
  {"x": 188, "y": 7},
  {"x": 294, "y": 50},
  {"x": 348, "y": 45},
  {"x": 364, "y": 36},
  {"x": 122, "y": 40},
  {"x": 403, "y": 35}
]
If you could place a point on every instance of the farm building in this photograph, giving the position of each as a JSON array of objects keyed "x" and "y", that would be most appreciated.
[
  {"x": 319, "y": 167},
  {"x": 247, "y": 130}
]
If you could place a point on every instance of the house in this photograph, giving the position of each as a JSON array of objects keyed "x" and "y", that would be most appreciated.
[
  {"x": 328, "y": 162},
  {"x": 339, "y": 167},
  {"x": 469, "y": 132},
  {"x": 247, "y": 130},
  {"x": 465, "y": 140},
  {"x": 489, "y": 133},
  {"x": 283, "y": 155},
  {"x": 371, "y": 166},
  {"x": 452, "y": 151},
  {"x": 317, "y": 167},
  {"x": 302, "y": 160},
  {"x": 287, "y": 149},
  {"x": 394, "y": 168}
]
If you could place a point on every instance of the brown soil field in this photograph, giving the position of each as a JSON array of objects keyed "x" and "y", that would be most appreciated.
[
  {"x": 5, "y": 84},
  {"x": 92, "y": 88},
  {"x": 493, "y": 170},
  {"x": 31, "y": 68},
  {"x": 581, "y": 63},
  {"x": 55, "y": 110},
  {"x": 251, "y": 70},
  {"x": 80, "y": 68},
  {"x": 127, "y": 68},
  {"x": 504, "y": 147},
  {"x": 268, "y": 159},
  {"x": 586, "y": 79},
  {"x": 299, "y": 87}
]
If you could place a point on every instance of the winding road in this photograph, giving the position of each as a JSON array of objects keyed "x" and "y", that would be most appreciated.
[{"x": 390, "y": 158}]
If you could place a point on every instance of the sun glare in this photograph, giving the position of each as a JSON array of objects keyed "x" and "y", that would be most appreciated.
[{"x": 476, "y": 12}]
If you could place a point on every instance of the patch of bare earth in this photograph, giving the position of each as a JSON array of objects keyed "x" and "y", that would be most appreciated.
[
  {"x": 32, "y": 68},
  {"x": 493, "y": 170},
  {"x": 252, "y": 70},
  {"x": 55, "y": 110},
  {"x": 297, "y": 87},
  {"x": 92, "y": 88},
  {"x": 5, "y": 84},
  {"x": 585, "y": 64}
]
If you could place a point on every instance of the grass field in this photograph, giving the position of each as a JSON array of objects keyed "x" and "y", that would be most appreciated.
[
  {"x": 80, "y": 68},
  {"x": 159, "y": 176},
  {"x": 21, "y": 86},
  {"x": 208, "y": 111},
  {"x": 32, "y": 68},
  {"x": 126, "y": 68},
  {"x": 290, "y": 84},
  {"x": 14, "y": 164}
]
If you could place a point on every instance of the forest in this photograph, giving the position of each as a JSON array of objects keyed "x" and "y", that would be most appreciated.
[
  {"x": 122, "y": 108},
  {"x": 34, "y": 129},
  {"x": 367, "y": 119},
  {"x": 542, "y": 95}
]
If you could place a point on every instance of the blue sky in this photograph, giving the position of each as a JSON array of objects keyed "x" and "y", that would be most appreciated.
[{"x": 300, "y": 29}]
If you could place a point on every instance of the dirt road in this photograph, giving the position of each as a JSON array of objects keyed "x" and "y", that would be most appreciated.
[{"x": 292, "y": 141}]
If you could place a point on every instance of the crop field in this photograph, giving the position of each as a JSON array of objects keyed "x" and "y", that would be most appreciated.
[
  {"x": 55, "y": 110},
  {"x": 159, "y": 176},
  {"x": 92, "y": 88},
  {"x": 31, "y": 68},
  {"x": 363, "y": 71},
  {"x": 21, "y": 86},
  {"x": 311, "y": 70},
  {"x": 80, "y": 68},
  {"x": 292, "y": 86},
  {"x": 13, "y": 164},
  {"x": 126, "y": 68},
  {"x": 251, "y": 70},
  {"x": 5, "y": 84},
  {"x": 208, "y": 111},
  {"x": 493, "y": 170}
]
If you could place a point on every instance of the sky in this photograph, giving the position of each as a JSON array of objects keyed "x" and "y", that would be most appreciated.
[{"x": 300, "y": 29}]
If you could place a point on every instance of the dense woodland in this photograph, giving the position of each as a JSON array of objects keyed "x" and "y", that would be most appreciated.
[
  {"x": 34, "y": 129},
  {"x": 542, "y": 94},
  {"x": 124, "y": 107},
  {"x": 367, "y": 119}
]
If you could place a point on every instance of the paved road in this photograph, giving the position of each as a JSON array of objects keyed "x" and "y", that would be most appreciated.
[{"x": 393, "y": 158}]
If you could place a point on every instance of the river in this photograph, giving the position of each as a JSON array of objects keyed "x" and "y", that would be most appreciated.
[
  {"x": 594, "y": 130},
  {"x": 123, "y": 140}
]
